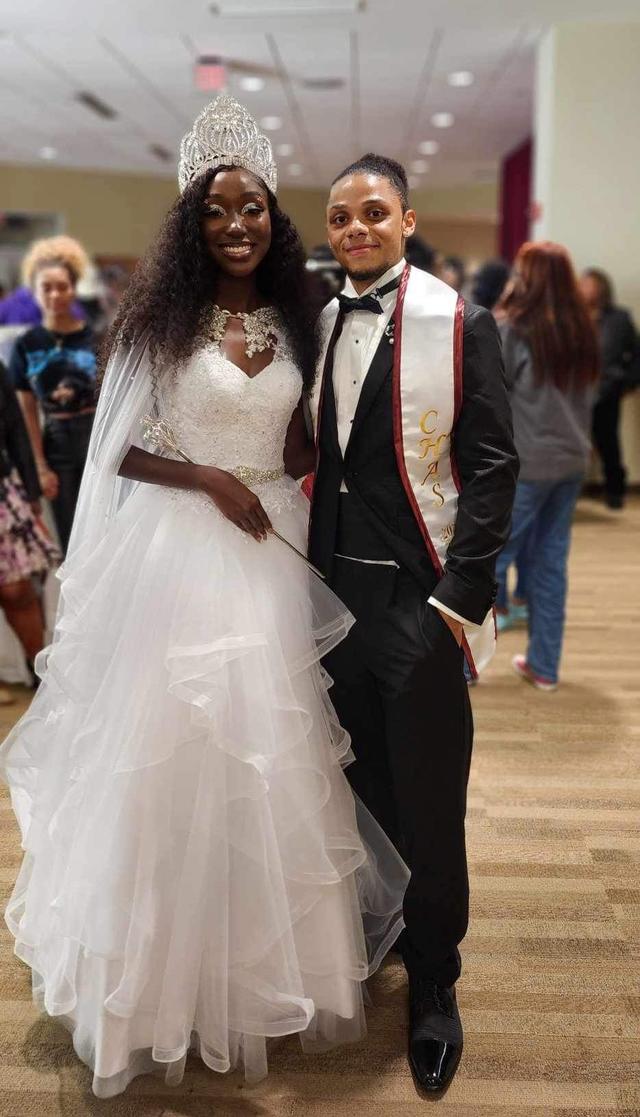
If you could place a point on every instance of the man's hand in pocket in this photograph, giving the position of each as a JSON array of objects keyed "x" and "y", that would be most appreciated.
[{"x": 455, "y": 626}]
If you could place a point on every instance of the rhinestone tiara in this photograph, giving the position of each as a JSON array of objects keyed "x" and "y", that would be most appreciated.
[{"x": 226, "y": 135}]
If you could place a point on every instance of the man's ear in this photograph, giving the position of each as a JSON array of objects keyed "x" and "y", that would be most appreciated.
[{"x": 409, "y": 222}]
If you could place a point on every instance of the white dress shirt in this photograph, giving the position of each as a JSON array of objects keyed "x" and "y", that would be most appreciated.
[
  {"x": 360, "y": 337},
  {"x": 355, "y": 349}
]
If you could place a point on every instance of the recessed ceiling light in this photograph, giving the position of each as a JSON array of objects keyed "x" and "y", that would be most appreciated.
[
  {"x": 442, "y": 119},
  {"x": 271, "y": 123},
  {"x": 252, "y": 84},
  {"x": 429, "y": 147},
  {"x": 48, "y": 153},
  {"x": 295, "y": 169},
  {"x": 419, "y": 166},
  {"x": 284, "y": 150},
  {"x": 461, "y": 78}
]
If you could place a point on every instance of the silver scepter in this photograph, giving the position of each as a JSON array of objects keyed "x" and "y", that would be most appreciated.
[{"x": 158, "y": 432}]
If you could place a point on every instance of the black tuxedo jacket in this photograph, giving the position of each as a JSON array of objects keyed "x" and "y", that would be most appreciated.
[{"x": 487, "y": 464}]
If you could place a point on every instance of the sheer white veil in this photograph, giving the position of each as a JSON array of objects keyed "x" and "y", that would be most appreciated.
[{"x": 127, "y": 393}]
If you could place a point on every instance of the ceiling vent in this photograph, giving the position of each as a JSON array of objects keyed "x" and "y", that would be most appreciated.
[
  {"x": 95, "y": 105},
  {"x": 160, "y": 153},
  {"x": 323, "y": 85}
]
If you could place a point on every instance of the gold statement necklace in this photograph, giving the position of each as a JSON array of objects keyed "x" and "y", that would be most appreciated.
[{"x": 259, "y": 327}]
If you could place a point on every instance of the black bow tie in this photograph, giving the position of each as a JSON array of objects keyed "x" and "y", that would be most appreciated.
[
  {"x": 368, "y": 302},
  {"x": 365, "y": 302}
]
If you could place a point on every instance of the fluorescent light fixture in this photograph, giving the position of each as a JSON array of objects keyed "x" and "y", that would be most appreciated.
[
  {"x": 271, "y": 123},
  {"x": 252, "y": 84},
  {"x": 295, "y": 169},
  {"x": 48, "y": 153},
  {"x": 269, "y": 8},
  {"x": 461, "y": 78},
  {"x": 419, "y": 166},
  {"x": 284, "y": 150},
  {"x": 429, "y": 147},
  {"x": 442, "y": 119}
]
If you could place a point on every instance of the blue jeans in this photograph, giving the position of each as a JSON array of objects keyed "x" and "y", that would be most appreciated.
[
  {"x": 542, "y": 515},
  {"x": 522, "y": 561}
]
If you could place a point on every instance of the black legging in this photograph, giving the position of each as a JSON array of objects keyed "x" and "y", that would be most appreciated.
[
  {"x": 606, "y": 422},
  {"x": 66, "y": 442}
]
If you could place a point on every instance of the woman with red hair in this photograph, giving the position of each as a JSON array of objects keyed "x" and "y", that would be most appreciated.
[{"x": 551, "y": 360}]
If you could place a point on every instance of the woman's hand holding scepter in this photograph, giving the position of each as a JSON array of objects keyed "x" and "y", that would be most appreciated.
[{"x": 237, "y": 502}]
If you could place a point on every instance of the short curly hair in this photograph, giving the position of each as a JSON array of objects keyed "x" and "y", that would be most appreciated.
[
  {"x": 173, "y": 288},
  {"x": 55, "y": 252}
]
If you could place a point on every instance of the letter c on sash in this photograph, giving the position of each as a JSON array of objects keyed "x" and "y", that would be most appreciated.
[{"x": 425, "y": 419}]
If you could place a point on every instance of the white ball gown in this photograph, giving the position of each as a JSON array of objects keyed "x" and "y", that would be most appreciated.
[{"x": 197, "y": 874}]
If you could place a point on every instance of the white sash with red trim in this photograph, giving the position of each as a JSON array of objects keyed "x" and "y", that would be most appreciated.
[{"x": 427, "y": 395}]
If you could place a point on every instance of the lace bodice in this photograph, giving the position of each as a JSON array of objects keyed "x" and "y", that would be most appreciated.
[{"x": 223, "y": 417}]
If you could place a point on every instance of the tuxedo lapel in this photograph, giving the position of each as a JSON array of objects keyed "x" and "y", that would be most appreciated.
[
  {"x": 379, "y": 370},
  {"x": 327, "y": 415}
]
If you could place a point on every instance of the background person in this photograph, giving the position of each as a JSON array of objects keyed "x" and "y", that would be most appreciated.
[
  {"x": 489, "y": 282},
  {"x": 420, "y": 254},
  {"x": 53, "y": 369},
  {"x": 620, "y": 372},
  {"x": 452, "y": 272},
  {"x": 551, "y": 362},
  {"x": 26, "y": 550}
]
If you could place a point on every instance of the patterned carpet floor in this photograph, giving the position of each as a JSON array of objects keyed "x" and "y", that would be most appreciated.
[{"x": 550, "y": 994}]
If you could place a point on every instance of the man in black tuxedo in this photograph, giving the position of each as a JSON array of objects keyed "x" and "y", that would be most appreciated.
[{"x": 399, "y": 687}]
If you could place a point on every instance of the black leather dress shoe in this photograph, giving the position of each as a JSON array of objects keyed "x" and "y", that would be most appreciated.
[{"x": 435, "y": 1034}]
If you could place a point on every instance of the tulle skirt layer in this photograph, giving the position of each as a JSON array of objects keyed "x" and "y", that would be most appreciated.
[{"x": 196, "y": 871}]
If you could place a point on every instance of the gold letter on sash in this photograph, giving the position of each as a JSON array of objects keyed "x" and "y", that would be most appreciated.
[
  {"x": 439, "y": 501},
  {"x": 425, "y": 419}
]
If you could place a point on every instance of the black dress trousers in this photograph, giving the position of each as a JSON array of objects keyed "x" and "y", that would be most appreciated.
[{"x": 399, "y": 689}]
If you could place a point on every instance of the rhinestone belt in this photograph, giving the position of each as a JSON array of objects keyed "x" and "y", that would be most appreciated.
[{"x": 250, "y": 476}]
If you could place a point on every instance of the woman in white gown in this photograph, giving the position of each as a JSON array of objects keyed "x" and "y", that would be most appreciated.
[{"x": 196, "y": 872}]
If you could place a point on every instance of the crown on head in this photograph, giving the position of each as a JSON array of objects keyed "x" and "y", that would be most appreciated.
[{"x": 226, "y": 135}]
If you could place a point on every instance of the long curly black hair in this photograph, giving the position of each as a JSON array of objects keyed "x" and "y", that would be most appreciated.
[{"x": 174, "y": 285}]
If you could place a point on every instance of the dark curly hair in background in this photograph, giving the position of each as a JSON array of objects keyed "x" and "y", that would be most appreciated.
[{"x": 174, "y": 285}]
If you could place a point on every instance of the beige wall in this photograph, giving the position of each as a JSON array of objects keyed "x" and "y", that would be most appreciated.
[
  {"x": 471, "y": 203},
  {"x": 117, "y": 214},
  {"x": 112, "y": 214},
  {"x": 473, "y": 240},
  {"x": 588, "y": 162}
]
